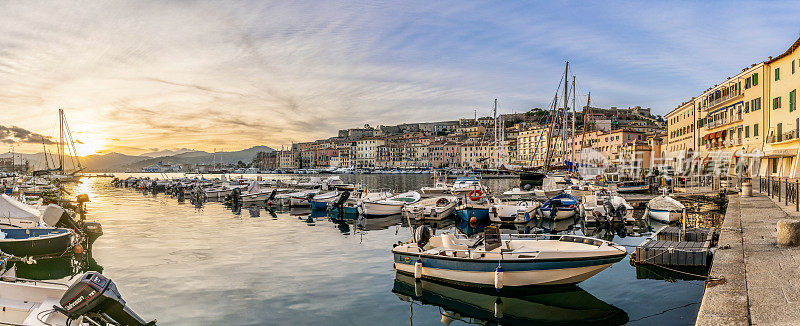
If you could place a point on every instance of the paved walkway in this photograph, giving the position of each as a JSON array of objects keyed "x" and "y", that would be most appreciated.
[{"x": 761, "y": 284}]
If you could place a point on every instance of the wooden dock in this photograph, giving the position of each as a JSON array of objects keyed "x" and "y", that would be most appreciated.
[{"x": 673, "y": 246}]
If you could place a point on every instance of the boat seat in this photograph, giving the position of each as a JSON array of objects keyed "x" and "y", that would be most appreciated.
[{"x": 448, "y": 242}]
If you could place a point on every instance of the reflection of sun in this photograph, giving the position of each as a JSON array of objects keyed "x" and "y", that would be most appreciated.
[{"x": 88, "y": 145}]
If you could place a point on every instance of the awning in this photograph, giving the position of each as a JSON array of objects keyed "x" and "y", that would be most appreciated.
[{"x": 788, "y": 152}]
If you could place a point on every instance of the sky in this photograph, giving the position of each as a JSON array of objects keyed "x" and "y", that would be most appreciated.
[{"x": 141, "y": 76}]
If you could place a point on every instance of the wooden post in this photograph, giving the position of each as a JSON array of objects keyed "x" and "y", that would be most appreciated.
[{"x": 797, "y": 195}]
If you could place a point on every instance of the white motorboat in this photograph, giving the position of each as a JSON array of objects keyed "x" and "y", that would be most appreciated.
[
  {"x": 440, "y": 186},
  {"x": 605, "y": 208},
  {"x": 254, "y": 193},
  {"x": 16, "y": 214},
  {"x": 665, "y": 209},
  {"x": 435, "y": 208},
  {"x": 515, "y": 211},
  {"x": 389, "y": 206},
  {"x": 517, "y": 193},
  {"x": 505, "y": 261},
  {"x": 551, "y": 186},
  {"x": 29, "y": 302},
  {"x": 465, "y": 185},
  {"x": 300, "y": 198}
]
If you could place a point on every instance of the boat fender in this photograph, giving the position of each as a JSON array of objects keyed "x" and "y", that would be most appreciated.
[
  {"x": 78, "y": 249},
  {"x": 418, "y": 269},
  {"x": 498, "y": 308},
  {"x": 498, "y": 278}
]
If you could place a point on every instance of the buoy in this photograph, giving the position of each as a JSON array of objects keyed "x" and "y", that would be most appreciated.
[
  {"x": 78, "y": 249},
  {"x": 473, "y": 220},
  {"x": 498, "y": 308},
  {"x": 418, "y": 269},
  {"x": 498, "y": 278}
]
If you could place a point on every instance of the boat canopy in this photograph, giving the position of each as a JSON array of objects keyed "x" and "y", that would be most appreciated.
[{"x": 9, "y": 207}]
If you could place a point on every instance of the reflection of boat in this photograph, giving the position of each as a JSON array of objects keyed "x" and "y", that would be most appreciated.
[
  {"x": 57, "y": 268},
  {"x": 633, "y": 186},
  {"x": 563, "y": 205},
  {"x": 510, "y": 260},
  {"x": 536, "y": 306},
  {"x": 321, "y": 201},
  {"x": 380, "y": 223}
]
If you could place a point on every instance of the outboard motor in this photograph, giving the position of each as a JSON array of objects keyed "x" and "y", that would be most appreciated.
[
  {"x": 272, "y": 196},
  {"x": 343, "y": 197},
  {"x": 96, "y": 297},
  {"x": 422, "y": 235}
]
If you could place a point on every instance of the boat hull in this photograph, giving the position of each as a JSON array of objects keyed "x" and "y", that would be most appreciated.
[
  {"x": 42, "y": 245},
  {"x": 319, "y": 205},
  {"x": 378, "y": 209},
  {"x": 299, "y": 202},
  {"x": 562, "y": 214},
  {"x": 480, "y": 214},
  {"x": 663, "y": 215},
  {"x": 515, "y": 274}
]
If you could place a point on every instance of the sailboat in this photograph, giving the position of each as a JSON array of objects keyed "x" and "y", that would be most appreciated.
[{"x": 65, "y": 140}]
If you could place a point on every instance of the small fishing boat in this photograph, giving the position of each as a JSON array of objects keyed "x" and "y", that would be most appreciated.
[
  {"x": 389, "y": 206},
  {"x": 665, "y": 209},
  {"x": 515, "y": 211},
  {"x": 14, "y": 213},
  {"x": 605, "y": 208},
  {"x": 465, "y": 185},
  {"x": 474, "y": 207},
  {"x": 321, "y": 201},
  {"x": 561, "y": 206},
  {"x": 300, "y": 198},
  {"x": 435, "y": 208},
  {"x": 517, "y": 193},
  {"x": 35, "y": 241},
  {"x": 551, "y": 186},
  {"x": 440, "y": 186},
  {"x": 254, "y": 193},
  {"x": 633, "y": 186},
  {"x": 505, "y": 261}
]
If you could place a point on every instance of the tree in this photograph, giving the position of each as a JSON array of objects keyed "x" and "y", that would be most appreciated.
[{"x": 241, "y": 164}]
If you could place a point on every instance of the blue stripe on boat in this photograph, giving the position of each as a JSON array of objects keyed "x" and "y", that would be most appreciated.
[{"x": 490, "y": 266}]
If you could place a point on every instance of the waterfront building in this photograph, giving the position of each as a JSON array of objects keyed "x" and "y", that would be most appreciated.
[
  {"x": 481, "y": 155},
  {"x": 750, "y": 118},
  {"x": 782, "y": 145},
  {"x": 367, "y": 151}
]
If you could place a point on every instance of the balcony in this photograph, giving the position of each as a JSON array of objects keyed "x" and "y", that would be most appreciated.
[
  {"x": 731, "y": 95},
  {"x": 782, "y": 137},
  {"x": 737, "y": 117}
]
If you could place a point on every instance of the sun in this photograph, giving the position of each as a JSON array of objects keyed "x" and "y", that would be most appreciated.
[{"x": 88, "y": 145}]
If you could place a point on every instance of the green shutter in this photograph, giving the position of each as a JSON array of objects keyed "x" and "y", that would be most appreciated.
[
  {"x": 755, "y": 79},
  {"x": 777, "y": 74},
  {"x": 746, "y": 131},
  {"x": 755, "y": 130}
]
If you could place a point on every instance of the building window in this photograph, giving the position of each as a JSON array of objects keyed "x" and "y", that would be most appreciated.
[
  {"x": 792, "y": 99},
  {"x": 746, "y": 131},
  {"x": 792, "y": 67},
  {"x": 755, "y": 130},
  {"x": 776, "y": 103},
  {"x": 777, "y": 74},
  {"x": 746, "y": 107},
  {"x": 755, "y": 79}
]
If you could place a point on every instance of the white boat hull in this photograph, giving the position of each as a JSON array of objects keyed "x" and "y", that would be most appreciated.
[
  {"x": 379, "y": 209},
  {"x": 516, "y": 278},
  {"x": 664, "y": 216}
]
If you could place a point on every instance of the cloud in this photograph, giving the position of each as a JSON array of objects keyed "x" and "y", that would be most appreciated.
[
  {"x": 17, "y": 135},
  {"x": 211, "y": 74}
]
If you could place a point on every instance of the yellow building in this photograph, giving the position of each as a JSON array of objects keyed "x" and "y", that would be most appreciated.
[
  {"x": 781, "y": 146},
  {"x": 749, "y": 121},
  {"x": 682, "y": 135}
]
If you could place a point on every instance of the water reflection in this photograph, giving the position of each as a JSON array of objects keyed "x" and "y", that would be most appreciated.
[
  {"x": 541, "y": 306},
  {"x": 66, "y": 266}
]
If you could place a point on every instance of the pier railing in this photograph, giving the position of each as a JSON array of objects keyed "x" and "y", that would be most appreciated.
[{"x": 783, "y": 189}]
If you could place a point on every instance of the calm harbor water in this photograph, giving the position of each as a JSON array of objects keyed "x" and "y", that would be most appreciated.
[{"x": 208, "y": 265}]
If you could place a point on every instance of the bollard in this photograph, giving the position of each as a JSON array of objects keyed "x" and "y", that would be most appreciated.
[
  {"x": 788, "y": 233},
  {"x": 747, "y": 188}
]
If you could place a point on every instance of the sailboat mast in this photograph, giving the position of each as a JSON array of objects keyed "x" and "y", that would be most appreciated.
[
  {"x": 563, "y": 133},
  {"x": 572, "y": 133},
  {"x": 585, "y": 120},
  {"x": 61, "y": 140},
  {"x": 496, "y": 136}
]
